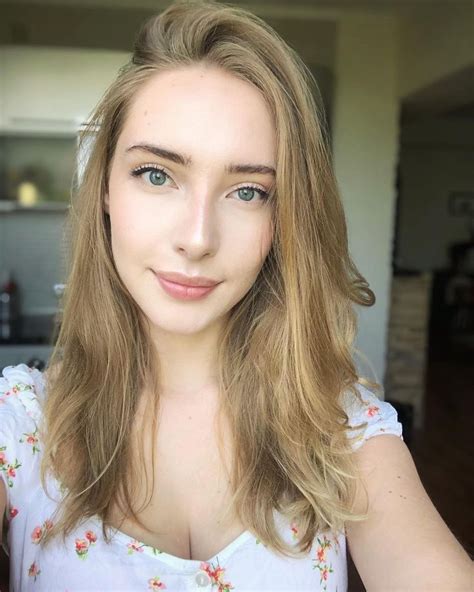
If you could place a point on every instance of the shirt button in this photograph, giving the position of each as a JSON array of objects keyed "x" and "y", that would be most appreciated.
[{"x": 202, "y": 578}]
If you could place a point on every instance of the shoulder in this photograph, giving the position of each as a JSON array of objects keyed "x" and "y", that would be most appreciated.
[
  {"x": 21, "y": 395},
  {"x": 22, "y": 391},
  {"x": 404, "y": 544}
]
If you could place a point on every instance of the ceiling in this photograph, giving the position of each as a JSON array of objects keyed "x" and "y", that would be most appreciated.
[
  {"x": 306, "y": 22},
  {"x": 295, "y": 8},
  {"x": 452, "y": 96}
]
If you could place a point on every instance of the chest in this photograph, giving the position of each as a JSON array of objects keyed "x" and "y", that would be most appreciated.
[{"x": 188, "y": 515}]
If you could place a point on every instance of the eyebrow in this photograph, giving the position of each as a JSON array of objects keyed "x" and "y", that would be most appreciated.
[{"x": 187, "y": 160}]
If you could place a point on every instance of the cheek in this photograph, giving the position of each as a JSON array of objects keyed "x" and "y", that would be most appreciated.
[
  {"x": 129, "y": 225},
  {"x": 250, "y": 248},
  {"x": 124, "y": 232},
  {"x": 264, "y": 241},
  {"x": 267, "y": 239},
  {"x": 125, "y": 219}
]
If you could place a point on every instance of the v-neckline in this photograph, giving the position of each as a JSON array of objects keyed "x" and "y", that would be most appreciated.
[{"x": 181, "y": 563}]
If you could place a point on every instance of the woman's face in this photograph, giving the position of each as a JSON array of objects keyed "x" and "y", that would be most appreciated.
[{"x": 191, "y": 214}]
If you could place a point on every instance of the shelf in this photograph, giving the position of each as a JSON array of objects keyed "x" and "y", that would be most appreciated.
[
  {"x": 26, "y": 343},
  {"x": 47, "y": 206}
]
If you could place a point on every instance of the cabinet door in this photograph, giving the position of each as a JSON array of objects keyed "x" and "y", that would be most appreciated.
[
  {"x": 2, "y": 87},
  {"x": 54, "y": 90}
]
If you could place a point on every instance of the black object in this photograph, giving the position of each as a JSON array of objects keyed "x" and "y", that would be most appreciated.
[
  {"x": 36, "y": 363},
  {"x": 9, "y": 309},
  {"x": 405, "y": 413}
]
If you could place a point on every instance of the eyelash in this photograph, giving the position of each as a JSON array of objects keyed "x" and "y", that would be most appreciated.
[{"x": 140, "y": 170}]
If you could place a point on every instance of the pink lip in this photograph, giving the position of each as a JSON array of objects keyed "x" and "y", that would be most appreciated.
[
  {"x": 182, "y": 292},
  {"x": 185, "y": 280}
]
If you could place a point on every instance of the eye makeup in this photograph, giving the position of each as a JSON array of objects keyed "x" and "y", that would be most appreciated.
[{"x": 140, "y": 170}]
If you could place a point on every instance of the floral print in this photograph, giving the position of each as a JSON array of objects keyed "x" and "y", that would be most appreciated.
[
  {"x": 321, "y": 561},
  {"x": 9, "y": 469},
  {"x": 82, "y": 545},
  {"x": 34, "y": 571},
  {"x": 380, "y": 416},
  {"x": 294, "y": 530},
  {"x": 372, "y": 410},
  {"x": 155, "y": 584},
  {"x": 216, "y": 573},
  {"x": 135, "y": 546},
  {"x": 21, "y": 389},
  {"x": 39, "y": 531},
  {"x": 12, "y": 513},
  {"x": 31, "y": 438},
  {"x": 17, "y": 388}
]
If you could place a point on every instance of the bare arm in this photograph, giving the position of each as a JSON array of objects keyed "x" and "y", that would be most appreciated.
[
  {"x": 3, "y": 505},
  {"x": 404, "y": 546},
  {"x": 3, "y": 557}
]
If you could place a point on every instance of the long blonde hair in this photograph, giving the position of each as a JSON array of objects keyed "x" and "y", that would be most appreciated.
[{"x": 286, "y": 354}]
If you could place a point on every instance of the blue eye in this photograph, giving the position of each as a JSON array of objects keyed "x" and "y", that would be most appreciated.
[
  {"x": 158, "y": 177},
  {"x": 156, "y": 173},
  {"x": 249, "y": 189}
]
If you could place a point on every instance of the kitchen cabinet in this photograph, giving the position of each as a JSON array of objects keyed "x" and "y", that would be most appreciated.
[
  {"x": 50, "y": 90},
  {"x": 2, "y": 87}
]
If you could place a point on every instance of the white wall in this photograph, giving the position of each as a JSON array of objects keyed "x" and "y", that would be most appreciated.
[{"x": 365, "y": 139}]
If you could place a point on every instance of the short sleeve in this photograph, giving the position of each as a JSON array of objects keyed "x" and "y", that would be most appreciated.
[
  {"x": 381, "y": 417},
  {"x": 21, "y": 389}
]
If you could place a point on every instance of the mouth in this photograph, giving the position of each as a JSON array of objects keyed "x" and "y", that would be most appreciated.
[
  {"x": 183, "y": 292},
  {"x": 187, "y": 281}
]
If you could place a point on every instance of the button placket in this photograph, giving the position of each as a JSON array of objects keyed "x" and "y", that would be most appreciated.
[{"x": 202, "y": 579}]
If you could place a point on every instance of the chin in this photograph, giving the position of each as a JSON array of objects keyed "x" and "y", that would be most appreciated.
[{"x": 179, "y": 324}]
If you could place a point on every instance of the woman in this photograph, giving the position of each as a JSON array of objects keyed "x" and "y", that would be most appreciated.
[{"x": 201, "y": 424}]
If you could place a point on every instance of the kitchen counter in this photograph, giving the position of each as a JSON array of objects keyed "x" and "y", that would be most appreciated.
[{"x": 11, "y": 355}]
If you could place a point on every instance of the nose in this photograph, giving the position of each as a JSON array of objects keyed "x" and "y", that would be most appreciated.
[{"x": 197, "y": 235}]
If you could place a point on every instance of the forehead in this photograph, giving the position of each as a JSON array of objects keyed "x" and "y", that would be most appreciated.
[{"x": 201, "y": 108}]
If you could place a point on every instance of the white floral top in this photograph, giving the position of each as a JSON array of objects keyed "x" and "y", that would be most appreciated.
[{"x": 87, "y": 563}]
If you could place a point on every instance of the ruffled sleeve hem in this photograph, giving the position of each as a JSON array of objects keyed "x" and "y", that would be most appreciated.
[{"x": 381, "y": 417}]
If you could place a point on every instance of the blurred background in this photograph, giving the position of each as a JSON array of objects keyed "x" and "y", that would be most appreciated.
[{"x": 396, "y": 78}]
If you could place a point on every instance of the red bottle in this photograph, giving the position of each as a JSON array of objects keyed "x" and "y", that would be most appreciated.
[{"x": 9, "y": 309}]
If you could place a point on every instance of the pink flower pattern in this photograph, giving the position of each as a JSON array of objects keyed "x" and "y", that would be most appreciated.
[
  {"x": 17, "y": 388},
  {"x": 34, "y": 571},
  {"x": 327, "y": 547},
  {"x": 156, "y": 584},
  {"x": 12, "y": 513},
  {"x": 216, "y": 573},
  {"x": 294, "y": 529},
  {"x": 372, "y": 410},
  {"x": 321, "y": 560},
  {"x": 135, "y": 546},
  {"x": 83, "y": 545},
  {"x": 32, "y": 439},
  {"x": 39, "y": 531},
  {"x": 9, "y": 469}
]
